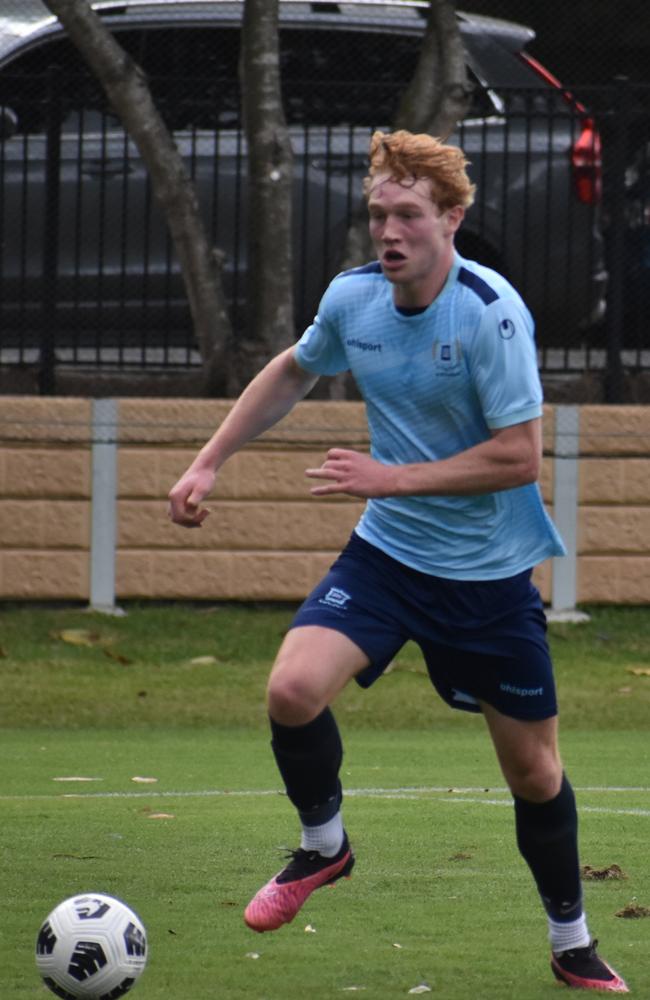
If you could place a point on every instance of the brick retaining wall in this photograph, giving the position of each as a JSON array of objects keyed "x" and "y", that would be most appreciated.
[{"x": 266, "y": 538}]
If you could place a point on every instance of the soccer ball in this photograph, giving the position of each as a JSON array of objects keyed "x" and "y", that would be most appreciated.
[{"x": 92, "y": 947}]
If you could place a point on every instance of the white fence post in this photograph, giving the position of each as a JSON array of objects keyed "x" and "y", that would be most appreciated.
[
  {"x": 103, "y": 539},
  {"x": 565, "y": 514}
]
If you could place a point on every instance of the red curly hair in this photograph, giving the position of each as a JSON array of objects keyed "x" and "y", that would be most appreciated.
[{"x": 407, "y": 157}]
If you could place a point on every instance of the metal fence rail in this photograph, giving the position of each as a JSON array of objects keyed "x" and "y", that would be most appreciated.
[{"x": 89, "y": 278}]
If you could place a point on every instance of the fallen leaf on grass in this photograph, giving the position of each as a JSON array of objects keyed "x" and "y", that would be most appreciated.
[
  {"x": 633, "y": 910},
  {"x": 639, "y": 671},
  {"x": 460, "y": 856},
  {"x": 77, "y": 636},
  {"x": 77, "y": 857},
  {"x": 161, "y": 816},
  {"x": 203, "y": 661},
  {"x": 402, "y": 668},
  {"x": 85, "y": 637},
  {"x": 352, "y": 989},
  {"x": 252, "y": 954},
  {"x": 422, "y": 988},
  {"x": 309, "y": 929},
  {"x": 602, "y": 874},
  {"x": 144, "y": 781},
  {"x": 118, "y": 657}
]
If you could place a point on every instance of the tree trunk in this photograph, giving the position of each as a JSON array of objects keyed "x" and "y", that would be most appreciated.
[
  {"x": 435, "y": 101},
  {"x": 437, "y": 96},
  {"x": 128, "y": 93},
  {"x": 270, "y": 316}
]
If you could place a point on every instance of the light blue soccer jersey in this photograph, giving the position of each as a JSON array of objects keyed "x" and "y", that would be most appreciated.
[{"x": 434, "y": 384}]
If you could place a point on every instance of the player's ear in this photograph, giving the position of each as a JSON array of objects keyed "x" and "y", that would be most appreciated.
[{"x": 455, "y": 216}]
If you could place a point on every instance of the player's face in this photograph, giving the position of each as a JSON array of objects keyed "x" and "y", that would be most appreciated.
[{"x": 412, "y": 237}]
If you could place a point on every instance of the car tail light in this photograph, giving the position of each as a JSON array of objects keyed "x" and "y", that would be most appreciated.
[
  {"x": 587, "y": 161},
  {"x": 586, "y": 152}
]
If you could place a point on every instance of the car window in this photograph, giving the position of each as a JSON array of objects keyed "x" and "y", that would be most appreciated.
[
  {"x": 192, "y": 72},
  {"x": 329, "y": 77},
  {"x": 334, "y": 77},
  {"x": 338, "y": 77},
  {"x": 34, "y": 83},
  {"x": 192, "y": 75}
]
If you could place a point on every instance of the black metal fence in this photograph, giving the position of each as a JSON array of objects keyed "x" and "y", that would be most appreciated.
[{"x": 89, "y": 278}]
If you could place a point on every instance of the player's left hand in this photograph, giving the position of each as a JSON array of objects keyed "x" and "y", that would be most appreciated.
[{"x": 352, "y": 472}]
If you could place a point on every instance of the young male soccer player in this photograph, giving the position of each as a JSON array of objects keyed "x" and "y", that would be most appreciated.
[{"x": 443, "y": 353}]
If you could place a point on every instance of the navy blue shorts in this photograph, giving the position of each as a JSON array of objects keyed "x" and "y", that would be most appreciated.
[{"x": 482, "y": 640}]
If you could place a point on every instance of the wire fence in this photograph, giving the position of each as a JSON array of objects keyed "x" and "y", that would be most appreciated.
[{"x": 89, "y": 276}]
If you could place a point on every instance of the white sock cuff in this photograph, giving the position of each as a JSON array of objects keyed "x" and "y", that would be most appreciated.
[
  {"x": 564, "y": 937},
  {"x": 326, "y": 838}
]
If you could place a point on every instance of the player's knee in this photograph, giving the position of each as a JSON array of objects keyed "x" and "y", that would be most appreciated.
[
  {"x": 535, "y": 780},
  {"x": 290, "y": 700}
]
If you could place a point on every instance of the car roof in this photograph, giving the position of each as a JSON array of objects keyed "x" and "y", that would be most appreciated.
[{"x": 24, "y": 22}]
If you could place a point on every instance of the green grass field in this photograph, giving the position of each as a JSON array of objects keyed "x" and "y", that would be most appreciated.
[{"x": 439, "y": 895}]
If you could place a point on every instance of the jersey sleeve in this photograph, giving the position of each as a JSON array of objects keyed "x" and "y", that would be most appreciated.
[
  {"x": 503, "y": 364},
  {"x": 320, "y": 349}
]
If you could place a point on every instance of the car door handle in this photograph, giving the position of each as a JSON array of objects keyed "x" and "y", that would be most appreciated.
[{"x": 106, "y": 168}]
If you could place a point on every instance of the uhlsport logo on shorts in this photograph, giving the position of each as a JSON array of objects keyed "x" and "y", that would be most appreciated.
[
  {"x": 336, "y": 598},
  {"x": 522, "y": 692}
]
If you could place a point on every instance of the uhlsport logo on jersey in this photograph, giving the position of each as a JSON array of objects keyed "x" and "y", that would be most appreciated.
[
  {"x": 506, "y": 329},
  {"x": 336, "y": 598},
  {"x": 362, "y": 345}
]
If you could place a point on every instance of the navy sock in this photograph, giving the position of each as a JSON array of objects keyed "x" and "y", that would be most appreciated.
[
  {"x": 547, "y": 836},
  {"x": 309, "y": 759}
]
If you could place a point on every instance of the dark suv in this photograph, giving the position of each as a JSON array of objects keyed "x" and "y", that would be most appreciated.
[{"x": 85, "y": 248}]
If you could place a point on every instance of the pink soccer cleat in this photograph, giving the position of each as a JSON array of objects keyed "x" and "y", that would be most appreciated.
[
  {"x": 582, "y": 969},
  {"x": 279, "y": 900}
]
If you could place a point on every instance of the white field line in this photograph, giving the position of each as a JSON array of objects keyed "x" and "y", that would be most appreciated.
[{"x": 458, "y": 796}]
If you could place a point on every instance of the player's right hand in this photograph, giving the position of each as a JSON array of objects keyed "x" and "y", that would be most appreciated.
[{"x": 186, "y": 496}]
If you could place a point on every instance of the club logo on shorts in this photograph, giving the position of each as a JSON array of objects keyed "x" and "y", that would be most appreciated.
[{"x": 336, "y": 598}]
